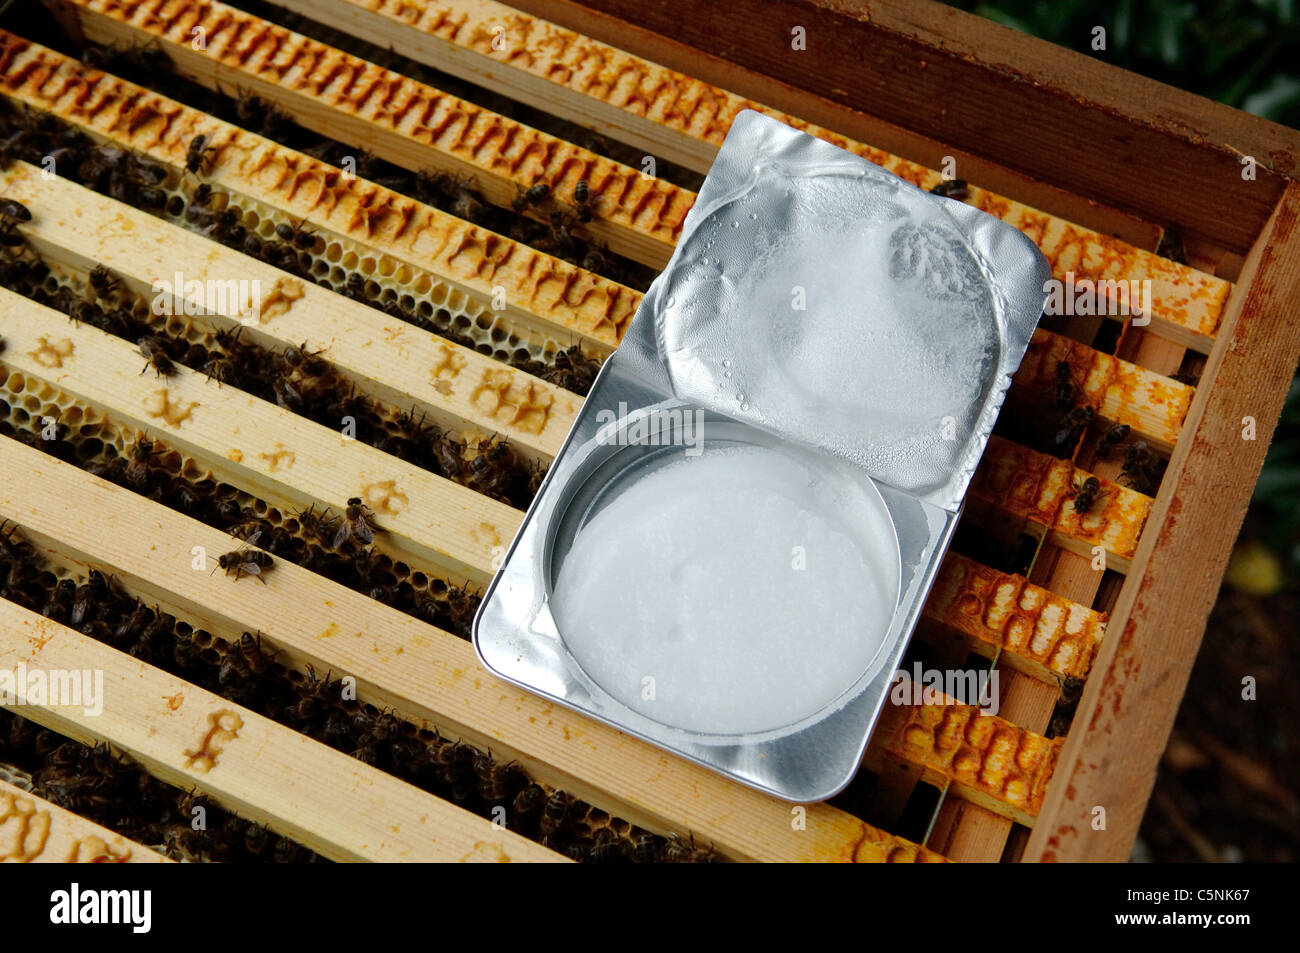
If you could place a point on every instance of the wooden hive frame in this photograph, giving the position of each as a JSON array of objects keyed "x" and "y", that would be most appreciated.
[{"x": 1004, "y": 788}]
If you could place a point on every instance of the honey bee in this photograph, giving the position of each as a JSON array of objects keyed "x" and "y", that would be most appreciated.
[
  {"x": 295, "y": 235},
  {"x": 155, "y": 353},
  {"x": 220, "y": 369},
  {"x": 247, "y": 561},
  {"x": 1171, "y": 245},
  {"x": 596, "y": 259},
  {"x": 137, "y": 468},
  {"x": 1085, "y": 495},
  {"x": 1064, "y": 384},
  {"x": 685, "y": 852},
  {"x": 81, "y": 603},
  {"x": 1111, "y": 439},
  {"x": 466, "y": 203},
  {"x": 357, "y": 523},
  {"x": 250, "y": 650},
  {"x": 11, "y": 214},
  {"x": 1142, "y": 469},
  {"x": 262, "y": 117},
  {"x": 196, "y": 155},
  {"x": 556, "y": 813},
  {"x": 562, "y": 241},
  {"x": 574, "y": 371},
  {"x": 14, "y": 211},
  {"x": 13, "y": 547},
  {"x": 644, "y": 849},
  {"x": 951, "y": 188},
  {"x": 1074, "y": 423},
  {"x": 495, "y": 780},
  {"x": 582, "y": 201},
  {"x": 535, "y": 195},
  {"x": 607, "y": 847},
  {"x": 103, "y": 282}
]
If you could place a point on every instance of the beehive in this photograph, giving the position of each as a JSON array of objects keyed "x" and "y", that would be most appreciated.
[{"x": 423, "y": 341}]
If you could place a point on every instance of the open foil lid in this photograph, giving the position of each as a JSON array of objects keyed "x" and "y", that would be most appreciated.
[{"x": 822, "y": 299}]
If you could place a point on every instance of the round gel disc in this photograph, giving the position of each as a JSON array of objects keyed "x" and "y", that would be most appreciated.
[{"x": 736, "y": 592}]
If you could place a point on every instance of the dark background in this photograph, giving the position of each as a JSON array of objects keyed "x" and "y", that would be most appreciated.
[{"x": 1228, "y": 781}]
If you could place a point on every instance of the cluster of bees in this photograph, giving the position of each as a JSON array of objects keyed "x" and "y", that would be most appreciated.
[
  {"x": 250, "y": 674},
  {"x": 34, "y": 136},
  {"x": 114, "y": 792},
  {"x": 295, "y": 378},
  {"x": 1142, "y": 468}
]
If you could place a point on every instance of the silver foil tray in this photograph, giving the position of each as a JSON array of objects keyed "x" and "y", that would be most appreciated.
[{"x": 517, "y": 639}]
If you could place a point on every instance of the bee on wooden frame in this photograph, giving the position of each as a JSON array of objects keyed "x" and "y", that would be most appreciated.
[
  {"x": 138, "y": 460},
  {"x": 1111, "y": 439},
  {"x": 103, "y": 283},
  {"x": 155, "y": 354},
  {"x": 582, "y": 204},
  {"x": 247, "y": 561},
  {"x": 535, "y": 195},
  {"x": 952, "y": 189},
  {"x": 1085, "y": 495},
  {"x": 196, "y": 155},
  {"x": 357, "y": 523},
  {"x": 1071, "y": 426}
]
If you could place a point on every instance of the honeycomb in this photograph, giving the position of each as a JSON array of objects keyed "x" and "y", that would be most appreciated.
[
  {"x": 249, "y": 675},
  {"x": 331, "y": 260}
]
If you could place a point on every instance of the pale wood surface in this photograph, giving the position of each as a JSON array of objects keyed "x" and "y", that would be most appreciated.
[
  {"x": 319, "y": 797},
  {"x": 34, "y": 830},
  {"x": 1110, "y": 759},
  {"x": 1111, "y": 135},
  {"x": 399, "y": 119},
  {"x": 685, "y": 120},
  {"x": 286, "y": 460},
  {"x": 394, "y": 361},
  {"x": 424, "y": 673},
  {"x": 441, "y": 256}
]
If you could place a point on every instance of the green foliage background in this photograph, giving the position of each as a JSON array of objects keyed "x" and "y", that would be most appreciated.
[{"x": 1245, "y": 53}]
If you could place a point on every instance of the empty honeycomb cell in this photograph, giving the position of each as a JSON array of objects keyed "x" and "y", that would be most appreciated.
[
  {"x": 462, "y": 322},
  {"x": 386, "y": 266},
  {"x": 485, "y": 349},
  {"x": 191, "y": 469},
  {"x": 89, "y": 449},
  {"x": 202, "y": 638},
  {"x": 425, "y": 309},
  {"x": 320, "y": 268},
  {"x": 349, "y": 260},
  {"x": 423, "y": 284},
  {"x": 33, "y": 404},
  {"x": 18, "y": 416},
  {"x": 333, "y": 252},
  {"x": 401, "y": 570},
  {"x": 259, "y": 507},
  {"x": 175, "y": 206},
  {"x": 419, "y": 580}
]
